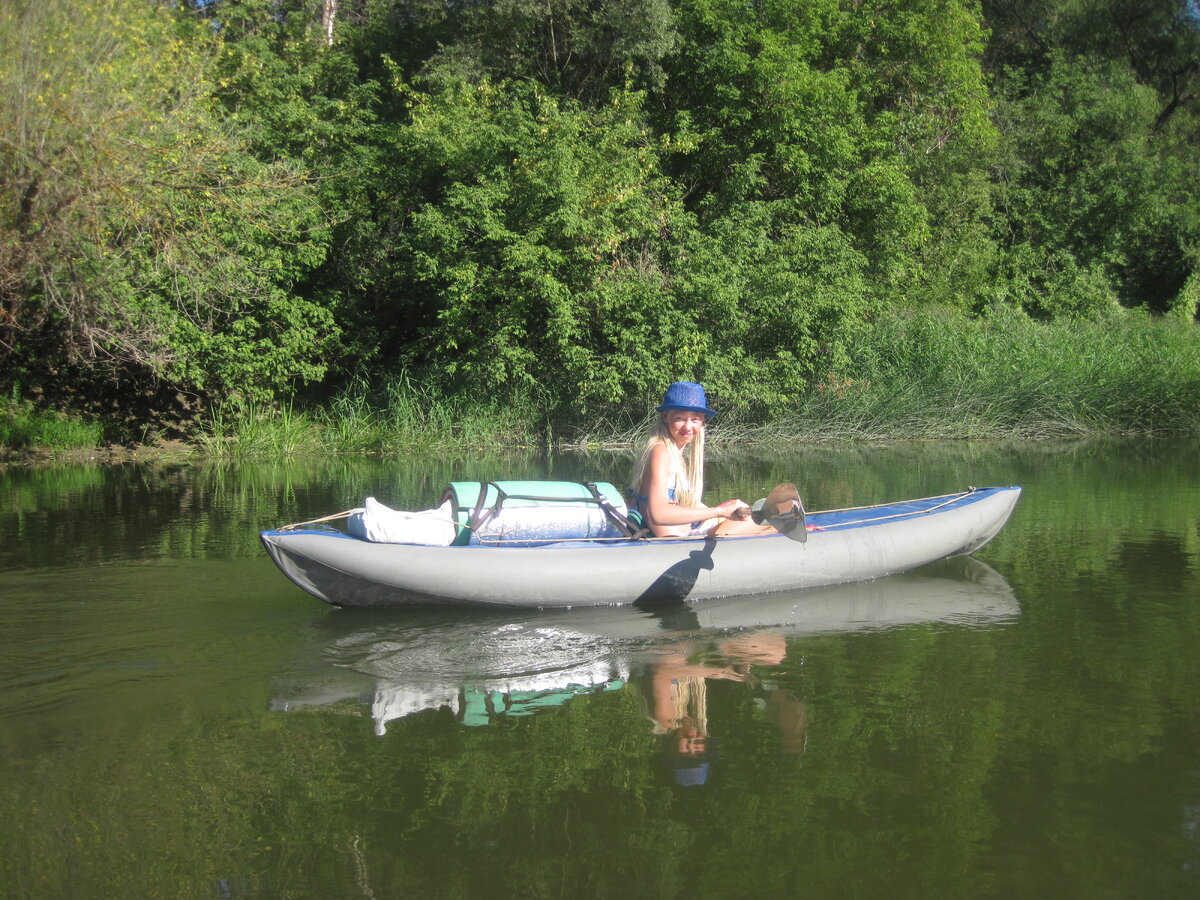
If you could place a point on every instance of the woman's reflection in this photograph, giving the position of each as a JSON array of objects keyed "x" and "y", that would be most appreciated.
[{"x": 676, "y": 689}]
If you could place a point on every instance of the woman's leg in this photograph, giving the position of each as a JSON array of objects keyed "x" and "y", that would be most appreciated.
[{"x": 741, "y": 526}]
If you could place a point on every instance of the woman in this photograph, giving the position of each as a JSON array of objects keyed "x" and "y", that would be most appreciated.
[{"x": 669, "y": 480}]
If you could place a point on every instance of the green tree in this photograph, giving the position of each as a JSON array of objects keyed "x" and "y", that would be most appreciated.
[
  {"x": 1099, "y": 112},
  {"x": 1158, "y": 40},
  {"x": 292, "y": 97},
  {"x": 574, "y": 48},
  {"x": 139, "y": 239},
  {"x": 532, "y": 240},
  {"x": 916, "y": 67},
  {"x": 870, "y": 120}
]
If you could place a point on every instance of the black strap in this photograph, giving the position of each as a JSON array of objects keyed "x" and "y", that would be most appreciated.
[
  {"x": 622, "y": 521},
  {"x": 479, "y": 515}
]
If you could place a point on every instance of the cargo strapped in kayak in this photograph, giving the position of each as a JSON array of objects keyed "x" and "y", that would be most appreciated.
[{"x": 537, "y": 511}]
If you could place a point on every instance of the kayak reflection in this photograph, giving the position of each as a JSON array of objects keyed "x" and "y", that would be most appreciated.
[{"x": 483, "y": 665}]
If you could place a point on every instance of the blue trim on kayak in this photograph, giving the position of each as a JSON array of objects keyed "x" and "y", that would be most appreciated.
[
  {"x": 327, "y": 532},
  {"x": 865, "y": 516}
]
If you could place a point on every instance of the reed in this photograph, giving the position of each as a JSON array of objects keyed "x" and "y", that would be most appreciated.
[
  {"x": 933, "y": 376},
  {"x": 396, "y": 415},
  {"x": 250, "y": 430},
  {"x": 914, "y": 376},
  {"x": 927, "y": 376},
  {"x": 23, "y": 427},
  {"x": 401, "y": 414}
]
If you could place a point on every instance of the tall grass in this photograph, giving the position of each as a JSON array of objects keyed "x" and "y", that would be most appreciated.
[
  {"x": 253, "y": 430},
  {"x": 395, "y": 416},
  {"x": 926, "y": 376},
  {"x": 23, "y": 427},
  {"x": 935, "y": 376},
  {"x": 914, "y": 376}
]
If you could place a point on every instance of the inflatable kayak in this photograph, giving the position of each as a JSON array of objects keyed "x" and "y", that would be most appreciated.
[{"x": 607, "y": 567}]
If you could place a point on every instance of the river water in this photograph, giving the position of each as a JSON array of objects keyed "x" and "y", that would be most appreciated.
[{"x": 178, "y": 720}]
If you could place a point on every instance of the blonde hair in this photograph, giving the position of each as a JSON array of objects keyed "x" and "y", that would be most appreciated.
[{"x": 688, "y": 463}]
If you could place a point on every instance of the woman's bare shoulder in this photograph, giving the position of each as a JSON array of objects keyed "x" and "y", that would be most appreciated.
[{"x": 660, "y": 457}]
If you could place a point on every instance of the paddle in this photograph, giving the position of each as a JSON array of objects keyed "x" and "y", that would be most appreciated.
[{"x": 783, "y": 511}]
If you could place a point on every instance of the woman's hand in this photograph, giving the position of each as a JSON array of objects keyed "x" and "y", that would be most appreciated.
[{"x": 733, "y": 509}]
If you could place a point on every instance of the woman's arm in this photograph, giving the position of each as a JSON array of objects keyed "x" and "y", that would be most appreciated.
[{"x": 669, "y": 519}]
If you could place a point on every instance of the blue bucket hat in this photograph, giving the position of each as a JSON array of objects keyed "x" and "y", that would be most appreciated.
[
  {"x": 687, "y": 396},
  {"x": 693, "y": 776}
]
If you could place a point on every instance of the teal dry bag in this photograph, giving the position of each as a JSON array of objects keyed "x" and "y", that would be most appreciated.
[{"x": 523, "y": 512}]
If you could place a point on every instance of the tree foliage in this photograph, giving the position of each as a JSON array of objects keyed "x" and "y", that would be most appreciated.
[
  {"x": 540, "y": 242},
  {"x": 568, "y": 204},
  {"x": 138, "y": 233},
  {"x": 1098, "y": 103}
]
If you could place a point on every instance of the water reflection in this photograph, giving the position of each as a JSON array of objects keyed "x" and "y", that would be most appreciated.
[
  {"x": 1056, "y": 756},
  {"x": 676, "y": 689},
  {"x": 482, "y": 666}
]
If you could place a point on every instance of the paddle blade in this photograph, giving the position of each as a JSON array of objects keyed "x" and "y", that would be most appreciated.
[{"x": 783, "y": 511}]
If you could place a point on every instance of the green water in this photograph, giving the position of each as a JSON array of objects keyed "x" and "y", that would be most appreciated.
[{"x": 177, "y": 720}]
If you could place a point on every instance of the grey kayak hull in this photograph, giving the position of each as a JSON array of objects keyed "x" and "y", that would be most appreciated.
[{"x": 842, "y": 546}]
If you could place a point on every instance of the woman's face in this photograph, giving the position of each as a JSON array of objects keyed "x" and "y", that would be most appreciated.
[{"x": 683, "y": 426}]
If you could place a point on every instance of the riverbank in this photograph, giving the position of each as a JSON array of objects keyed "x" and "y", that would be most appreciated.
[
  {"x": 921, "y": 376},
  {"x": 164, "y": 451}
]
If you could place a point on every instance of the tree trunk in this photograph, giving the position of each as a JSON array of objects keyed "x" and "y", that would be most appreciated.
[{"x": 328, "y": 17}]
